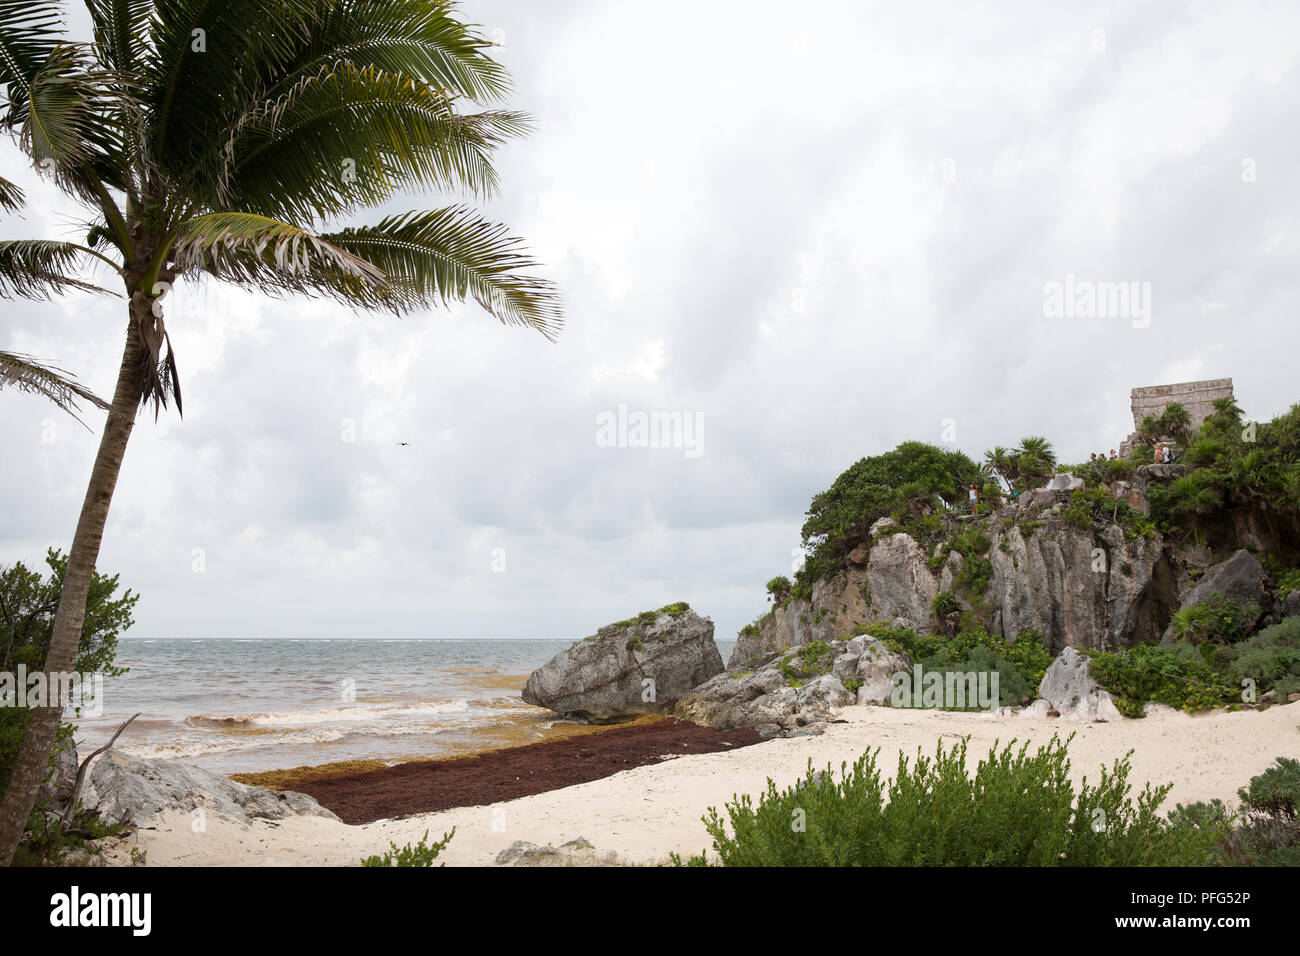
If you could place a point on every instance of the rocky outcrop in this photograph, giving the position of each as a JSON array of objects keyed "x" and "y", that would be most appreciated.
[
  {"x": 133, "y": 790},
  {"x": 1069, "y": 688},
  {"x": 638, "y": 666},
  {"x": 1081, "y": 588},
  {"x": 1240, "y": 578},
  {"x": 797, "y": 691},
  {"x": 1077, "y": 587},
  {"x": 577, "y": 852}
]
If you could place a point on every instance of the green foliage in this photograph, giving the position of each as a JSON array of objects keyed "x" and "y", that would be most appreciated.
[
  {"x": 1172, "y": 423},
  {"x": 779, "y": 588},
  {"x": 1028, "y": 466},
  {"x": 1218, "y": 619},
  {"x": 1093, "y": 508},
  {"x": 27, "y": 605},
  {"x": 1288, "y": 582},
  {"x": 1018, "y": 809},
  {"x": 1266, "y": 831},
  {"x": 1020, "y": 664},
  {"x": 975, "y": 576},
  {"x": 945, "y": 608},
  {"x": 807, "y": 661},
  {"x": 28, "y": 602},
  {"x": 1233, "y": 463},
  {"x": 646, "y": 618},
  {"x": 1173, "y": 674},
  {"x": 1102, "y": 471},
  {"x": 46, "y": 842},
  {"x": 422, "y": 854},
  {"x": 913, "y": 480},
  {"x": 1271, "y": 658}
]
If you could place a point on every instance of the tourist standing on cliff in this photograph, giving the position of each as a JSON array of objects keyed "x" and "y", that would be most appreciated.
[{"x": 974, "y": 498}]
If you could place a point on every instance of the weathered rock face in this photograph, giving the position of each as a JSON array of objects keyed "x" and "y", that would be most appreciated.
[
  {"x": 1069, "y": 686},
  {"x": 634, "y": 667},
  {"x": 796, "y": 691},
  {"x": 1077, "y": 587},
  {"x": 133, "y": 790},
  {"x": 1080, "y": 588},
  {"x": 1240, "y": 578},
  {"x": 900, "y": 580},
  {"x": 895, "y": 584}
]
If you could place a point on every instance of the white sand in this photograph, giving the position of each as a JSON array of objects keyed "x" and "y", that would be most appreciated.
[{"x": 645, "y": 813}]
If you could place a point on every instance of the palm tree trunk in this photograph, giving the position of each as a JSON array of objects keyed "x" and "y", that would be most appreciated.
[{"x": 32, "y": 765}]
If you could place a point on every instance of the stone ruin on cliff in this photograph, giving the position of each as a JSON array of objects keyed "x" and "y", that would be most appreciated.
[{"x": 1197, "y": 397}]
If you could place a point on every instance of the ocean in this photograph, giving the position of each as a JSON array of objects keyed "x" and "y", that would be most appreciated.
[{"x": 245, "y": 705}]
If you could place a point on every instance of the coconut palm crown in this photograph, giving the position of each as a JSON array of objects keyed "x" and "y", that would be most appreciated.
[{"x": 227, "y": 140}]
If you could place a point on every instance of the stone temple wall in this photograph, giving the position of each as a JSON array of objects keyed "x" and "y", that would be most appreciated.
[{"x": 1197, "y": 397}]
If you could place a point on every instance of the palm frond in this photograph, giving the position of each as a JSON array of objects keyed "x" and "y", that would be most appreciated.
[
  {"x": 11, "y": 196},
  {"x": 454, "y": 254},
  {"x": 190, "y": 64},
  {"x": 256, "y": 250},
  {"x": 27, "y": 375},
  {"x": 350, "y": 137},
  {"x": 41, "y": 268},
  {"x": 121, "y": 27},
  {"x": 416, "y": 38},
  {"x": 71, "y": 126},
  {"x": 29, "y": 32}
]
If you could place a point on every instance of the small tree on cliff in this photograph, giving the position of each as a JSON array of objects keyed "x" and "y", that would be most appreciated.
[{"x": 901, "y": 483}]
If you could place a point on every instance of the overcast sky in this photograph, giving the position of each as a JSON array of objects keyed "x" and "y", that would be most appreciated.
[{"x": 817, "y": 229}]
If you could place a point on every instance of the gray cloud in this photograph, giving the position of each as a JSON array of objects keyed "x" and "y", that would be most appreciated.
[{"x": 823, "y": 234}]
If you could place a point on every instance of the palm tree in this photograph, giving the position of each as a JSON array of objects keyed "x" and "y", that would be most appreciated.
[
  {"x": 1035, "y": 460},
  {"x": 216, "y": 140},
  {"x": 1001, "y": 462}
]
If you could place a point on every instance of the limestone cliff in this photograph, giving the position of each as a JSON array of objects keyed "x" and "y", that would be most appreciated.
[{"x": 1097, "y": 584}]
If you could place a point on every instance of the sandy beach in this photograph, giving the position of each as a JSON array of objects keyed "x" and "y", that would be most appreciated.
[{"x": 647, "y": 812}]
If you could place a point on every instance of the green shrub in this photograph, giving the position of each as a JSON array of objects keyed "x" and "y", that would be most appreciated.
[
  {"x": 422, "y": 854},
  {"x": 805, "y": 662},
  {"x": 910, "y": 481},
  {"x": 779, "y": 589},
  {"x": 1271, "y": 658},
  {"x": 1167, "y": 674},
  {"x": 646, "y": 618},
  {"x": 945, "y": 607},
  {"x": 1266, "y": 831},
  {"x": 27, "y": 606},
  {"x": 1020, "y": 809},
  {"x": 1218, "y": 619},
  {"x": 1020, "y": 665},
  {"x": 1288, "y": 582},
  {"x": 975, "y": 576}
]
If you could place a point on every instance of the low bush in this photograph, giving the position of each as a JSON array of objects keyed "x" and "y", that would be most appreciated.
[
  {"x": 1177, "y": 675},
  {"x": 1271, "y": 658},
  {"x": 1018, "y": 809},
  {"x": 1266, "y": 830},
  {"x": 1218, "y": 619},
  {"x": 1020, "y": 664},
  {"x": 422, "y": 854}
]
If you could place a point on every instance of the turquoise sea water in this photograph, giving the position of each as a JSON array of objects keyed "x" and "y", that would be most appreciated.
[{"x": 247, "y": 704}]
